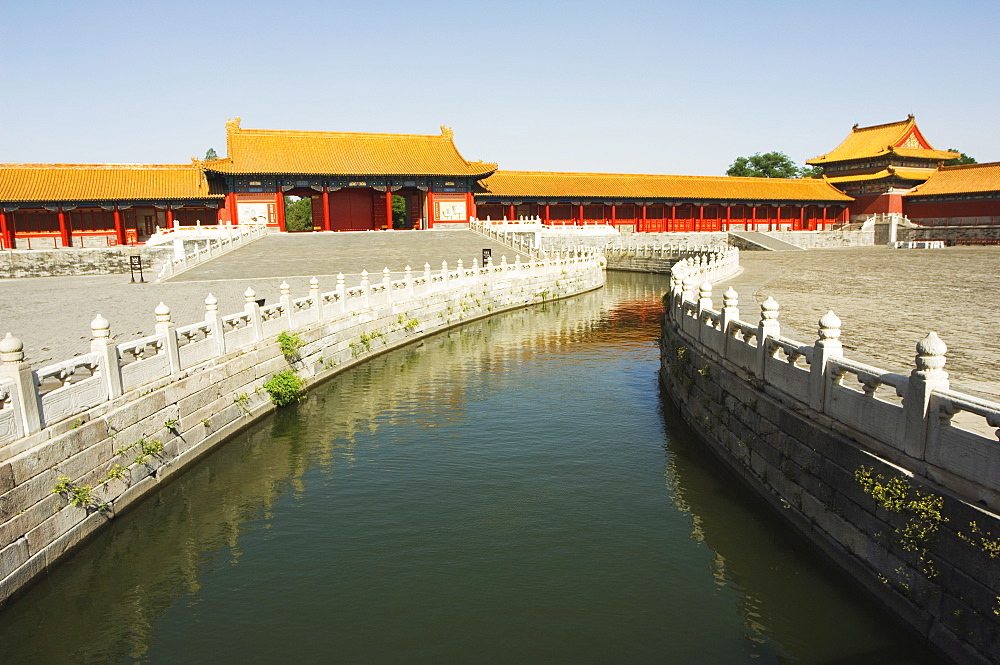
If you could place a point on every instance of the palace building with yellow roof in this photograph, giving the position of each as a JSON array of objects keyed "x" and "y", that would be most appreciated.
[{"x": 352, "y": 179}]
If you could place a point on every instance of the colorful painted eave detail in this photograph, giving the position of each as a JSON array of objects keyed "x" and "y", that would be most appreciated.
[
  {"x": 961, "y": 179},
  {"x": 600, "y": 186},
  {"x": 266, "y": 151},
  {"x": 103, "y": 182},
  {"x": 881, "y": 140}
]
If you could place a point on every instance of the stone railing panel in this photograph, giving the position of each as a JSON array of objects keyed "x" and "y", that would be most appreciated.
[
  {"x": 141, "y": 361},
  {"x": 787, "y": 364},
  {"x": 10, "y": 422},
  {"x": 972, "y": 455}
]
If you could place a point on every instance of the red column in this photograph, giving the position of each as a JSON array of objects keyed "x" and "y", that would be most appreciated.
[
  {"x": 64, "y": 232},
  {"x": 326, "y": 223},
  {"x": 824, "y": 218},
  {"x": 701, "y": 218},
  {"x": 5, "y": 234},
  {"x": 430, "y": 209},
  {"x": 673, "y": 218},
  {"x": 547, "y": 219},
  {"x": 614, "y": 214},
  {"x": 802, "y": 218},
  {"x": 119, "y": 227},
  {"x": 470, "y": 207},
  {"x": 510, "y": 213},
  {"x": 279, "y": 202},
  {"x": 729, "y": 216},
  {"x": 642, "y": 219},
  {"x": 170, "y": 217},
  {"x": 388, "y": 208},
  {"x": 234, "y": 215},
  {"x": 753, "y": 217},
  {"x": 579, "y": 212}
]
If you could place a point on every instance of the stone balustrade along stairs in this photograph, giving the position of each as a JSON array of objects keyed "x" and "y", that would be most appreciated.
[{"x": 757, "y": 240}]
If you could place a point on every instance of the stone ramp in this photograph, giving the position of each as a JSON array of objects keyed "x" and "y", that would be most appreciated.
[
  {"x": 284, "y": 255},
  {"x": 756, "y": 240}
]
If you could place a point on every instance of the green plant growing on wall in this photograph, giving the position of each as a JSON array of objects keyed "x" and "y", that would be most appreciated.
[
  {"x": 117, "y": 471},
  {"x": 147, "y": 449},
  {"x": 77, "y": 495},
  {"x": 172, "y": 424},
  {"x": 290, "y": 343},
  {"x": 982, "y": 539},
  {"x": 923, "y": 512},
  {"x": 285, "y": 388}
]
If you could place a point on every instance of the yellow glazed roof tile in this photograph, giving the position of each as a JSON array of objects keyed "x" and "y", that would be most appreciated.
[
  {"x": 902, "y": 138},
  {"x": 906, "y": 174},
  {"x": 533, "y": 184},
  {"x": 102, "y": 182},
  {"x": 259, "y": 151},
  {"x": 961, "y": 179}
]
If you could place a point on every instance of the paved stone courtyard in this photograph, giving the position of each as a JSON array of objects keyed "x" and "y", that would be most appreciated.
[{"x": 887, "y": 299}]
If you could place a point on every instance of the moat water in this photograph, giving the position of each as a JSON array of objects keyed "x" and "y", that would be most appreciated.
[{"x": 512, "y": 491}]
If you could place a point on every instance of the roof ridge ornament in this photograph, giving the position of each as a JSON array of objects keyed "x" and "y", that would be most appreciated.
[
  {"x": 446, "y": 131},
  {"x": 233, "y": 124}
]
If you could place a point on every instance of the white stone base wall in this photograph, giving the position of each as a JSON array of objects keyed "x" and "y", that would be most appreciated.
[{"x": 196, "y": 409}]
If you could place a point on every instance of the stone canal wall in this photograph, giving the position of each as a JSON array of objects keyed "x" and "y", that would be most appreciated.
[
  {"x": 895, "y": 477},
  {"x": 82, "y": 440}
]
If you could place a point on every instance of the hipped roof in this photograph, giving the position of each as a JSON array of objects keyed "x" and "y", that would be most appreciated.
[
  {"x": 961, "y": 179},
  {"x": 270, "y": 151},
  {"x": 103, "y": 182},
  {"x": 552, "y": 185},
  {"x": 902, "y": 138}
]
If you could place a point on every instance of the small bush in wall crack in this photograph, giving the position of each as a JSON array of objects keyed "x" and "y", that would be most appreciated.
[{"x": 285, "y": 388}]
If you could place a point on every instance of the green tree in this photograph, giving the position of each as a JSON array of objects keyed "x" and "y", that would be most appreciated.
[
  {"x": 398, "y": 212},
  {"x": 767, "y": 165},
  {"x": 961, "y": 159},
  {"x": 211, "y": 154},
  {"x": 811, "y": 172},
  {"x": 298, "y": 214}
]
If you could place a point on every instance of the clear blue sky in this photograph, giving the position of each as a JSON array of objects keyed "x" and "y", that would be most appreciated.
[{"x": 643, "y": 87}]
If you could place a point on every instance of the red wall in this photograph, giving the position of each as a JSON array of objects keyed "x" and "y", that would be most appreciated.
[{"x": 953, "y": 209}]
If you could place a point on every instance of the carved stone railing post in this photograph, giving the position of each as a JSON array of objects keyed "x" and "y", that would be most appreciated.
[
  {"x": 386, "y": 285},
  {"x": 317, "y": 303},
  {"x": 461, "y": 272},
  {"x": 111, "y": 368},
  {"x": 730, "y": 312},
  {"x": 427, "y": 278},
  {"x": 768, "y": 327},
  {"x": 341, "y": 291},
  {"x": 827, "y": 346},
  {"x": 251, "y": 307},
  {"x": 286, "y": 304},
  {"x": 444, "y": 275},
  {"x": 928, "y": 376},
  {"x": 408, "y": 278},
  {"x": 214, "y": 321},
  {"x": 13, "y": 368},
  {"x": 704, "y": 303},
  {"x": 165, "y": 327}
]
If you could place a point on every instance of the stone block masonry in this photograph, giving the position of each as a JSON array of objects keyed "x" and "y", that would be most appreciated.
[
  {"x": 15, "y": 263},
  {"x": 84, "y": 439},
  {"x": 895, "y": 477}
]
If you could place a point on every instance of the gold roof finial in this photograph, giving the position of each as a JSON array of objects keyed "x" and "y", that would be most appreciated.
[
  {"x": 233, "y": 124},
  {"x": 447, "y": 132}
]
